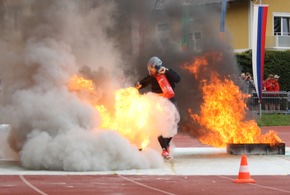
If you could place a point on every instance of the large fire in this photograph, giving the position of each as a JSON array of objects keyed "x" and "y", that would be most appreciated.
[
  {"x": 222, "y": 115},
  {"x": 129, "y": 116},
  {"x": 223, "y": 109}
]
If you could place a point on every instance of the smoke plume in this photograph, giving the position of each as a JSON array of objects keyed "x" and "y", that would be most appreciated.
[{"x": 53, "y": 40}]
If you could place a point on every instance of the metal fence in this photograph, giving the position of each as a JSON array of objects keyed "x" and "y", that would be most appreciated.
[{"x": 272, "y": 102}]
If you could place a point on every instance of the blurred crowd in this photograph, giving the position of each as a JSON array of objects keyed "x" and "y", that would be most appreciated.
[{"x": 270, "y": 90}]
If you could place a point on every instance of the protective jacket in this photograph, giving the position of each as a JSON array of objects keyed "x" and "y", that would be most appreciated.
[{"x": 172, "y": 78}]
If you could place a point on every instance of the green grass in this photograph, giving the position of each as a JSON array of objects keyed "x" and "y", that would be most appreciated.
[{"x": 274, "y": 120}]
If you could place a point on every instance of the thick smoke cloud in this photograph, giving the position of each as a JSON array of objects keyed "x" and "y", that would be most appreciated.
[
  {"x": 205, "y": 20},
  {"x": 50, "y": 127},
  {"x": 58, "y": 39}
]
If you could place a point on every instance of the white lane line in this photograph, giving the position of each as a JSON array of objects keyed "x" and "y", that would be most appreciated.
[
  {"x": 140, "y": 184},
  {"x": 261, "y": 186},
  {"x": 275, "y": 189},
  {"x": 31, "y": 186}
]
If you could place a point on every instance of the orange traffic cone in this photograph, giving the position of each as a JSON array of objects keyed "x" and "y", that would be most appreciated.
[{"x": 244, "y": 174}]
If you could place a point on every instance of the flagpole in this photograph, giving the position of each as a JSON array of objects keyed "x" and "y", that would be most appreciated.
[
  {"x": 185, "y": 26},
  {"x": 260, "y": 103},
  {"x": 222, "y": 19}
]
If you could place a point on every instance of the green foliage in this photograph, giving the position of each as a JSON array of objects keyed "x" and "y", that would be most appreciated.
[
  {"x": 245, "y": 61},
  {"x": 274, "y": 120},
  {"x": 276, "y": 62}
]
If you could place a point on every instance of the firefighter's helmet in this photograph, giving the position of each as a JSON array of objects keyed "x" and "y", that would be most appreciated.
[{"x": 153, "y": 65}]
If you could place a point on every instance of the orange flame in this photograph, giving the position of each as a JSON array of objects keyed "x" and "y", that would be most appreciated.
[
  {"x": 130, "y": 113},
  {"x": 223, "y": 110},
  {"x": 84, "y": 89}
]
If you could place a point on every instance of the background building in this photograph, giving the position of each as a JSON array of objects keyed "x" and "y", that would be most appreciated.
[
  {"x": 178, "y": 22},
  {"x": 239, "y": 23}
]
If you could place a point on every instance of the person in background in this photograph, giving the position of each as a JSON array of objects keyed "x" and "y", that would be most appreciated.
[
  {"x": 242, "y": 76},
  {"x": 276, "y": 89},
  {"x": 269, "y": 87},
  {"x": 241, "y": 79},
  {"x": 248, "y": 87},
  {"x": 155, "y": 67}
]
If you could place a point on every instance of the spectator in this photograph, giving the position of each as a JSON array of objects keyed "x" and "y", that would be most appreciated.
[
  {"x": 241, "y": 79},
  {"x": 269, "y": 87},
  {"x": 276, "y": 86},
  {"x": 242, "y": 76},
  {"x": 248, "y": 87}
]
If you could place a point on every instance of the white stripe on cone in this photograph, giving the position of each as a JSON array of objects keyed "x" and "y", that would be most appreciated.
[{"x": 244, "y": 169}]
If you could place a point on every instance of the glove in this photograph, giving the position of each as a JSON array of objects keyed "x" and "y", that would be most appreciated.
[
  {"x": 162, "y": 70},
  {"x": 138, "y": 85}
]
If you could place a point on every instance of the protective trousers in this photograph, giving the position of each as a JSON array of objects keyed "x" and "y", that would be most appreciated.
[{"x": 164, "y": 142}]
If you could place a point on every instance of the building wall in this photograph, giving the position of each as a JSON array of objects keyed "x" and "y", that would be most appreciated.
[
  {"x": 237, "y": 19},
  {"x": 281, "y": 6}
]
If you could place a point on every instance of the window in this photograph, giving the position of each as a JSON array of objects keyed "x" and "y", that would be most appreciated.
[
  {"x": 195, "y": 35},
  {"x": 163, "y": 27},
  {"x": 282, "y": 25}
]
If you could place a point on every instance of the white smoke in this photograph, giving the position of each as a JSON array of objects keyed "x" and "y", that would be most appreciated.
[
  {"x": 50, "y": 127},
  {"x": 80, "y": 150},
  {"x": 6, "y": 153},
  {"x": 164, "y": 121}
]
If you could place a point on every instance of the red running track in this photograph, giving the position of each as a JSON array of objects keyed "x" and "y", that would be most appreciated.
[
  {"x": 148, "y": 184},
  {"x": 140, "y": 184}
]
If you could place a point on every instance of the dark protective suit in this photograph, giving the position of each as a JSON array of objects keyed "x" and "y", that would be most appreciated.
[{"x": 172, "y": 78}]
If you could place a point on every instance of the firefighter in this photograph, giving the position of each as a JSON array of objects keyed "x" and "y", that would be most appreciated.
[{"x": 155, "y": 68}]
